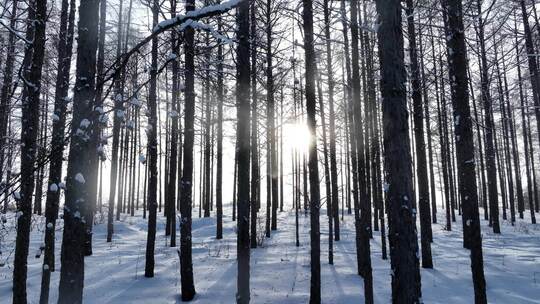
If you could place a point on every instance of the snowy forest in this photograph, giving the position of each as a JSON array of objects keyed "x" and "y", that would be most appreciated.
[{"x": 269, "y": 151}]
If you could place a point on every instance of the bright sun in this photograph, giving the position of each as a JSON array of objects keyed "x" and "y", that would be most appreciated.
[{"x": 297, "y": 136}]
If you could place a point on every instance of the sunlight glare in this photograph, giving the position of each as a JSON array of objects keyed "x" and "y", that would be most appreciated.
[{"x": 297, "y": 136}]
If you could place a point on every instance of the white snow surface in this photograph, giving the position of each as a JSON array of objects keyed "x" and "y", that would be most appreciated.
[
  {"x": 280, "y": 271},
  {"x": 225, "y": 6}
]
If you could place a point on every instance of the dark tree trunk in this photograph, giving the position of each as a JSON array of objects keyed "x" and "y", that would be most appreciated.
[
  {"x": 311, "y": 72},
  {"x": 362, "y": 222},
  {"x": 173, "y": 166},
  {"x": 465, "y": 143},
  {"x": 421, "y": 165},
  {"x": 32, "y": 66},
  {"x": 429, "y": 136},
  {"x": 513, "y": 146},
  {"x": 506, "y": 138},
  {"x": 186, "y": 199},
  {"x": 254, "y": 147},
  {"x": 207, "y": 131},
  {"x": 351, "y": 129},
  {"x": 64, "y": 48},
  {"x": 535, "y": 84},
  {"x": 219, "y": 152},
  {"x": 406, "y": 285},
  {"x": 364, "y": 122},
  {"x": 235, "y": 179},
  {"x": 243, "y": 149},
  {"x": 80, "y": 153},
  {"x": 334, "y": 207},
  {"x": 41, "y": 144},
  {"x": 351, "y": 155},
  {"x": 5, "y": 94},
  {"x": 533, "y": 199},
  {"x": 533, "y": 65},
  {"x": 326, "y": 178},
  {"x": 152, "y": 151},
  {"x": 281, "y": 154},
  {"x": 118, "y": 113},
  {"x": 271, "y": 108},
  {"x": 483, "y": 187},
  {"x": 443, "y": 137},
  {"x": 488, "y": 130},
  {"x": 521, "y": 205},
  {"x": 295, "y": 161}
]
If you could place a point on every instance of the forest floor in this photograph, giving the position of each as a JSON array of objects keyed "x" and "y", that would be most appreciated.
[{"x": 280, "y": 271}]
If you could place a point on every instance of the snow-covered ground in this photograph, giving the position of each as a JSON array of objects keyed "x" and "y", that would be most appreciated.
[{"x": 280, "y": 271}]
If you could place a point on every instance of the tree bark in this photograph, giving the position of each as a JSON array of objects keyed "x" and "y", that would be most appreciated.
[
  {"x": 80, "y": 152},
  {"x": 52, "y": 201},
  {"x": 270, "y": 88},
  {"x": 311, "y": 72},
  {"x": 406, "y": 285},
  {"x": 5, "y": 93},
  {"x": 219, "y": 152},
  {"x": 152, "y": 151},
  {"x": 421, "y": 165},
  {"x": 186, "y": 200},
  {"x": 361, "y": 222},
  {"x": 465, "y": 143},
  {"x": 118, "y": 113},
  {"x": 243, "y": 126},
  {"x": 31, "y": 71},
  {"x": 533, "y": 65},
  {"x": 489, "y": 129},
  {"x": 254, "y": 147},
  {"x": 173, "y": 166},
  {"x": 332, "y": 123}
]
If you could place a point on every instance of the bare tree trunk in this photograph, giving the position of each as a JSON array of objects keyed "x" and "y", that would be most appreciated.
[
  {"x": 465, "y": 143},
  {"x": 489, "y": 129},
  {"x": 208, "y": 109},
  {"x": 421, "y": 165},
  {"x": 254, "y": 149},
  {"x": 173, "y": 166},
  {"x": 443, "y": 137},
  {"x": 361, "y": 222},
  {"x": 152, "y": 151},
  {"x": 219, "y": 152},
  {"x": 5, "y": 93},
  {"x": 506, "y": 139},
  {"x": 406, "y": 286},
  {"x": 41, "y": 144},
  {"x": 271, "y": 108},
  {"x": 515, "y": 152},
  {"x": 327, "y": 182},
  {"x": 31, "y": 71},
  {"x": 533, "y": 65},
  {"x": 64, "y": 48},
  {"x": 281, "y": 154},
  {"x": 351, "y": 125},
  {"x": 235, "y": 180},
  {"x": 429, "y": 136},
  {"x": 186, "y": 264},
  {"x": 533, "y": 193},
  {"x": 80, "y": 152},
  {"x": 348, "y": 103},
  {"x": 311, "y": 72},
  {"x": 334, "y": 207},
  {"x": 243, "y": 126},
  {"x": 118, "y": 114},
  {"x": 480, "y": 154}
]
